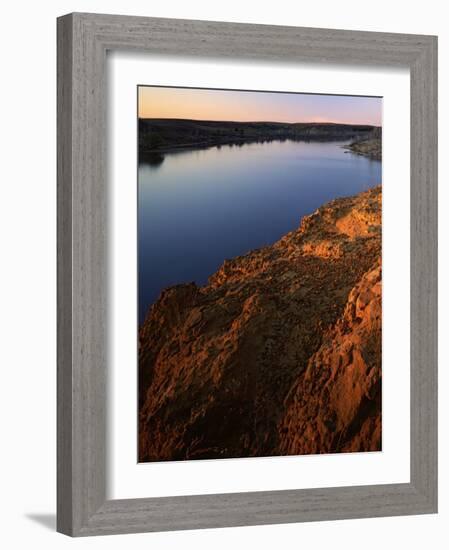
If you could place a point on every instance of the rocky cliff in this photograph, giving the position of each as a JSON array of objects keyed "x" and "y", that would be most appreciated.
[{"x": 280, "y": 353}]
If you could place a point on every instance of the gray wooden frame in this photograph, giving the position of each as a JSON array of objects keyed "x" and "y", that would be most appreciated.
[{"x": 83, "y": 40}]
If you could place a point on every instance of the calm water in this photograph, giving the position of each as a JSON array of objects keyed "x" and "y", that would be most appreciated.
[{"x": 197, "y": 208}]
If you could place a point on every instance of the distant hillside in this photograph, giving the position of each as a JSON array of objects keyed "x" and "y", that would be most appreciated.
[{"x": 163, "y": 135}]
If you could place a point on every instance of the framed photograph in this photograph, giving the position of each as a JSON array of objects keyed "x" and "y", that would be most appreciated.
[{"x": 247, "y": 274}]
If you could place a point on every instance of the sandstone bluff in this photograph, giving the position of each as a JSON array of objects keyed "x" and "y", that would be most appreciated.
[{"x": 280, "y": 353}]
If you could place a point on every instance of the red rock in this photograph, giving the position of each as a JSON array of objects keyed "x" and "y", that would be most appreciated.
[{"x": 280, "y": 353}]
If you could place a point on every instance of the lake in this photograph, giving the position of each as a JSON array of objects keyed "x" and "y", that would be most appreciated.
[{"x": 198, "y": 207}]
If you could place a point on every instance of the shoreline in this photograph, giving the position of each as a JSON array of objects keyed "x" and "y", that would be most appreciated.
[
  {"x": 349, "y": 149},
  {"x": 260, "y": 340},
  {"x": 237, "y": 142},
  {"x": 249, "y": 253},
  {"x": 369, "y": 146},
  {"x": 165, "y": 135}
]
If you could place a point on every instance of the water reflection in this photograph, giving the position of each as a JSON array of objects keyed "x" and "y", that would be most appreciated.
[{"x": 153, "y": 160}]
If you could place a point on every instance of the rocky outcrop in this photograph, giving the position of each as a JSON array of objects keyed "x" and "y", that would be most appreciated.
[
  {"x": 280, "y": 353},
  {"x": 335, "y": 405},
  {"x": 369, "y": 146}
]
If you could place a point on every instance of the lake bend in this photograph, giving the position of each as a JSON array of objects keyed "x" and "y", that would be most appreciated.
[{"x": 197, "y": 208}]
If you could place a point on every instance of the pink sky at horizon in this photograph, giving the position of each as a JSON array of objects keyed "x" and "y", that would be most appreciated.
[{"x": 251, "y": 106}]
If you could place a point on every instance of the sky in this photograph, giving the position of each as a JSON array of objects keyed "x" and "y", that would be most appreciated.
[{"x": 207, "y": 104}]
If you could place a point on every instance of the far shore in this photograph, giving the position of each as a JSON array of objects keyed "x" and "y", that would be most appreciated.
[
  {"x": 220, "y": 143},
  {"x": 163, "y": 136}
]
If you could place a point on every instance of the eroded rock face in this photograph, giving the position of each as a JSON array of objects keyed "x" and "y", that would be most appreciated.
[
  {"x": 278, "y": 354},
  {"x": 335, "y": 405}
]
